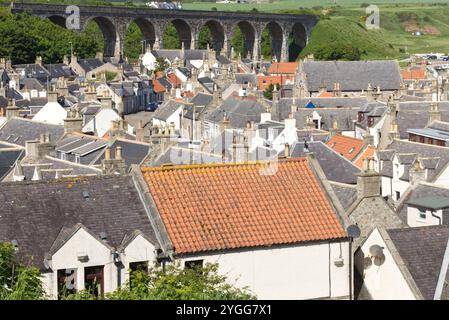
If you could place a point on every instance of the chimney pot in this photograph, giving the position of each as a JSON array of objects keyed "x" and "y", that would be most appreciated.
[
  {"x": 107, "y": 154},
  {"x": 118, "y": 153}
]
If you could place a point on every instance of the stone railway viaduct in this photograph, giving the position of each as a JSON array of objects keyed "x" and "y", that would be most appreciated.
[{"x": 114, "y": 22}]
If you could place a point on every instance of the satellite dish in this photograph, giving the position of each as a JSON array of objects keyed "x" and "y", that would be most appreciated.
[
  {"x": 377, "y": 253},
  {"x": 353, "y": 231}
]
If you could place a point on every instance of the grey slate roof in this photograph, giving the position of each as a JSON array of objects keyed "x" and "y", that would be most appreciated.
[
  {"x": 245, "y": 78},
  {"x": 335, "y": 167},
  {"x": 238, "y": 112},
  {"x": 423, "y": 151},
  {"x": 8, "y": 157},
  {"x": 432, "y": 133},
  {"x": 346, "y": 193},
  {"x": 337, "y": 102},
  {"x": 48, "y": 166},
  {"x": 345, "y": 118},
  {"x": 182, "y": 156},
  {"x": 88, "y": 148},
  {"x": 422, "y": 250},
  {"x": 17, "y": 131},
  {"x": 59, "y": 70},
  {"x": 207, "y": 83},
  {"x": 132, "y": 152},
  {"x": 223, "y": 59},
  {"x": 439, "y": 125},
  {"x": 414, "y": 115},
  {"x": 431, "y": 202},
  {"x": 167, "y": 109},
  {"x": 352, "y": 75},
  {"x": 90, "y": 64},
  {"x": 46, "y": 207},
  {"x": 422, "y": 190},
  {"x": 202, "y": 99}
]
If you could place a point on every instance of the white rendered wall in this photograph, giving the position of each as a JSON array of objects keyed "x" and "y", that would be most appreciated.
[
  {"x": 294, "y": 272},
  {"x": 384, "y": 282}
]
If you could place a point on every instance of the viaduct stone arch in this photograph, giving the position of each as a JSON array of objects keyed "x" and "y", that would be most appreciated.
[{"x": 114, "y": 22}]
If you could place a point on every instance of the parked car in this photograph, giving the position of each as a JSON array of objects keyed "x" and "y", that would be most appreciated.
[{"x": 151, "y": 107}]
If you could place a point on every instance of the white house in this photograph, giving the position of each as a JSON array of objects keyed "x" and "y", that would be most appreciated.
[
  {"x": 168, "y": 113},
  {"x": 258, "y": 223},
  {"x": 405, "y": 264},
  {"x": 73, "y": 249},
  {"x": 274, "y": 134},
  {"x": 52, "y": 112},
  {"x": 79, "y": 256},
  {"x": 101, "y": 122}
]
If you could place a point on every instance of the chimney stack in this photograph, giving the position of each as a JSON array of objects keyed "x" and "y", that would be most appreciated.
[
  {"x": 434, "y": 113},
  {"x": 12, "y": 110},
  {"x": 52, "y": 95},
  {"x": 140, "y": 134},
  {"x": 39, "y": 60},
  {"x": 417, "y": 173},
  {"x": 73, "y": 123},
  {"x": 368, "y": 180},
  {"x": 38, "y": 149},
  {"x": 113, "y": 166}
]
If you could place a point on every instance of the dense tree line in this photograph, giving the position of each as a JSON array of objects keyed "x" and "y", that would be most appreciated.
[{"x": 25, "y": 36}]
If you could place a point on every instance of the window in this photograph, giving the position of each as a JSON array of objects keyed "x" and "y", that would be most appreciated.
[
  {"x": 94, "y": 280},
  {"x": 66, "y": 282},
  {"x": 422, "y": 214},
  {"x": 351, "y": 150},
  {"x": 193, "y": 264}
]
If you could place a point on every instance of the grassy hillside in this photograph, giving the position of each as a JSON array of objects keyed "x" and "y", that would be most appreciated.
[{"x": 349, "y": 32}]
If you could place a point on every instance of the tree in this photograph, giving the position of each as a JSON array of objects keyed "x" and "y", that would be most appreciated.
[
  {"x": 268, "y": 92},
  {"x": 337, "y": 51},
  {"x": 174, "y": 283},
  {"x": 161, "y": 64},
  {"x": 17, "y": 281}
]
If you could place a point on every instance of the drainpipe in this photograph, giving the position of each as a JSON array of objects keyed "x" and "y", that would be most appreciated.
[
  {"x": 118, "y": 263},
  {"x": 435, "y": 216},
  {"x": 350, "y": 268}
]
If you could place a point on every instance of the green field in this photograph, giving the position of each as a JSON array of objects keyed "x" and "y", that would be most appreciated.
[
  {"x": 296, "y": 4},
  {"x": 345, "y": 23}
]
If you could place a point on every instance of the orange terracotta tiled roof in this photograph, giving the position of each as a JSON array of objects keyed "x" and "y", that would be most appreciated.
[
  {"x": 175, "y": 81},
  {"x": 264, "y": 81},
  {"x": 325, "y": 94},
  {"x": 225, "y": 206},
  {"x": 158, "y": 87},
  {"x": 283, "y": 67},
  {"x": 367, "y": 153},
  {"x": 346, "y": 146},
  {"x": 413, "y": 74}
]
